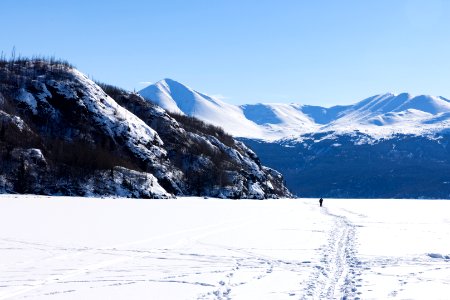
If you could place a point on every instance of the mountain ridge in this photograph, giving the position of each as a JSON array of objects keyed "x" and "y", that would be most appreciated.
[{"x": 379, "y": 116}]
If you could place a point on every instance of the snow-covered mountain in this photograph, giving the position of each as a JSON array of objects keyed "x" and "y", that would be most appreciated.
[
  {"x": 378, "y": 116},
  {"x": 384, "y": 146},
  {"x": 178, "y": 98},
  {"x": 389, "y": 114}
]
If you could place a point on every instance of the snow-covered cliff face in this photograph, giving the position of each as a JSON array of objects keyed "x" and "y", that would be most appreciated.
[{"x": 60, "y": 133}]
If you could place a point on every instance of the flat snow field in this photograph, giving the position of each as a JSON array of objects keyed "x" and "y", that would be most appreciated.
[{"x": 193, "y": 248}]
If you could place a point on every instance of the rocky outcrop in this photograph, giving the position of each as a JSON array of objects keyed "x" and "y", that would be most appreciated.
[{"x": 61, "y": 133}]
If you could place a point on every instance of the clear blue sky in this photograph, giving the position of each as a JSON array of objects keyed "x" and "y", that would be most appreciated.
[{"x": 311, "y": 52}]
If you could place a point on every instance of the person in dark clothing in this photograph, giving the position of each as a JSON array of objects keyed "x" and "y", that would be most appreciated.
[{"x": 320, "y": 202}]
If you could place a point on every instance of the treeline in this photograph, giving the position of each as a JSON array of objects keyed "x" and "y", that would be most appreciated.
[
  {"x": 49, "y": 61},
  {"x": 111, "y": 90},
  {"x": 16, "y": 72},
  {"x": 195, "y": 125}
]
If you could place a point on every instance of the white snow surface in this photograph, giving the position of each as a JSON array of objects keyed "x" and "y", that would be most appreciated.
[
  {"x": 378, "y": 116},
  {"x": 193, "y": 248}
]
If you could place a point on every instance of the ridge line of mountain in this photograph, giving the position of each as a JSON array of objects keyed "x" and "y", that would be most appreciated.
[{"x": 379, "y": 116}]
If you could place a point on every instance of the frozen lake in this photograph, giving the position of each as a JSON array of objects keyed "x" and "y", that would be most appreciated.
[{"x": 193, "y": 248}]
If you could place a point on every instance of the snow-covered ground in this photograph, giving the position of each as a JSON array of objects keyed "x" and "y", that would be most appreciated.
[{"x": 192, "y": 248}]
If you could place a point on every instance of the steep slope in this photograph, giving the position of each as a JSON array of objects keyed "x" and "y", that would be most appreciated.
[
  {"x": 178, "y": 98},
  {"x": 61, "y": 133},
  {"x": 83, "y": 141}
]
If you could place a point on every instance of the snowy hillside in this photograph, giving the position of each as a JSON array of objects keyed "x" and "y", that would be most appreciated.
[
  {"x": 76, "y": 248},
  {"x": 377, "y": 116},
  {"x": 280, "y": 120},
  {"x": 62, "y": 133},
  {"x": 178, "y": 98}
]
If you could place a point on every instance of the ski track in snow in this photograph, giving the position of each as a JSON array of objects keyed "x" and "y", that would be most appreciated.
[
  {"x": 302, "y": 252},
  {"x": 337, "y": 276},
  {"x": 119, "y": 254}
]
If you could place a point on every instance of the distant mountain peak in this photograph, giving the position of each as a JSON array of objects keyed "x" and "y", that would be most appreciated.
[
  {"x": 179, "y": 98},
  {"x": 171, "y": 83}
]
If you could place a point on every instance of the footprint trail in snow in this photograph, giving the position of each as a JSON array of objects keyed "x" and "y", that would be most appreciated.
[{"x": 195, "y": 248}]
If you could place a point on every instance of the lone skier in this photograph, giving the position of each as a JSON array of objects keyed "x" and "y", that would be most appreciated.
[{"x": 320, "y": 202}]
